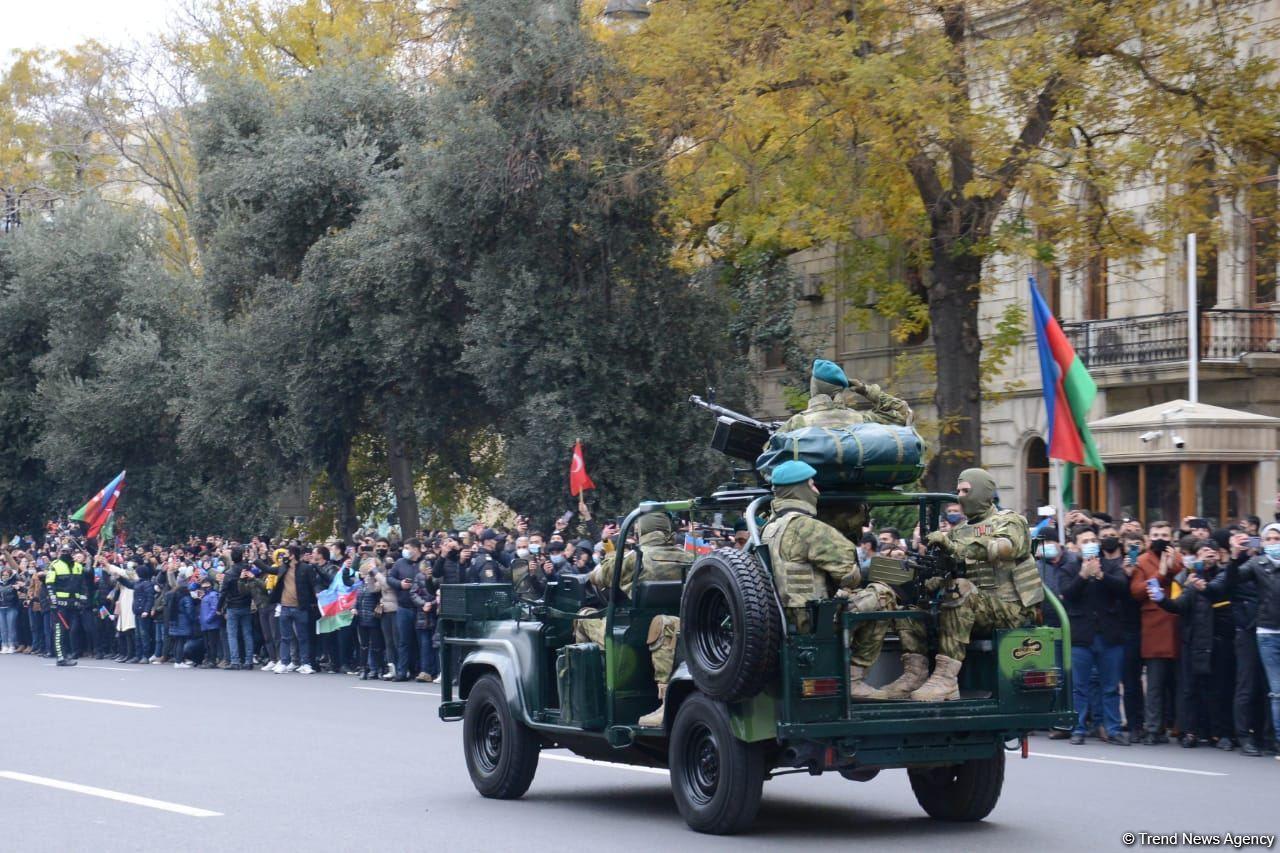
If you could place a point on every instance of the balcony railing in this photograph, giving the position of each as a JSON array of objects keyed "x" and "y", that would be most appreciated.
[{"x": 1226, "y": 334}]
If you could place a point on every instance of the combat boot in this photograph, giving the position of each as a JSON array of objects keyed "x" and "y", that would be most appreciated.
[
  {"x": 653, "y": 719},
  {"x": 859, "y": 689},
  {"x": 915, "y": 671},
  {"x": 941, "y": 686}
]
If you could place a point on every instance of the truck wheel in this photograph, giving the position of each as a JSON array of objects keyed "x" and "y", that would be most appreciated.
[
  {"x": 961, "y": 792},
  {"x": 716, "y": 778},
  {"x": 502, "y": 754},
  {"x": 730, "y": 624}
]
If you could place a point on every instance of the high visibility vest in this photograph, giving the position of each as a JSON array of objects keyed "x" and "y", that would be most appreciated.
[{"x": 65, "y": 580}]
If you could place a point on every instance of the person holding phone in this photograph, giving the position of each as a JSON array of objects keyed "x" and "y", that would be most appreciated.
[{"x": 1151, "y": 581}]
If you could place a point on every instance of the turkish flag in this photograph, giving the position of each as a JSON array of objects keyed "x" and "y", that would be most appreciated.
[{"x": 579, "y": 481}]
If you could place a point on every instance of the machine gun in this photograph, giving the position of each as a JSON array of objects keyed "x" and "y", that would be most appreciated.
[
  {"x": 737, "y": 435},
  {"x": 934, "y": 563}
]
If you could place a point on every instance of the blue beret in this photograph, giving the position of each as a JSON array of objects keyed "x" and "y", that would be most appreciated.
[
  {"x": 792, "y": 472},
  {"x": 829, "y": 372}
]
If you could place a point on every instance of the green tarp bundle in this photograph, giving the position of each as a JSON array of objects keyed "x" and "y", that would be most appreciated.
[{"x": 858, "y": 455}]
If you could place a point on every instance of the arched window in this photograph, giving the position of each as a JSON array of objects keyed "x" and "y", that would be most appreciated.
[{"x": 1036, "y": 458}]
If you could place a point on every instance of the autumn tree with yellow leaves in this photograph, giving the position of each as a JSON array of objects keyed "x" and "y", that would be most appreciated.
[{"x": 947, "y": 133}]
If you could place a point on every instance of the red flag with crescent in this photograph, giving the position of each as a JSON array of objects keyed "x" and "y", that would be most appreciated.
[{"x": 579, "y": 481}]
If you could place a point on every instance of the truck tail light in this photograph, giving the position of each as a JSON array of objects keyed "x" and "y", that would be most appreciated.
[
  {"x": 1041, "y": 679},
  {"x": 815, "y": 688}
]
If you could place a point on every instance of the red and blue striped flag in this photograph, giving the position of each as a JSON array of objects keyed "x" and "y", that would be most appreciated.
[{"x": 1069, "y": 392}]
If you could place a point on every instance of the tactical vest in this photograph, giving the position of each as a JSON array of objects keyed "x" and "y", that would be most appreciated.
[
  {"x": 65, "y": 581},
  {"x": 797, "y": 581},
  {"x": 663, "y": 563},
  {"x": 824, "y": 412},
  {"x": 1013, "y": 580}
]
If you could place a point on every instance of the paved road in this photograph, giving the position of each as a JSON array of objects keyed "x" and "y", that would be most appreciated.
[{"x": 289, "y": 762}]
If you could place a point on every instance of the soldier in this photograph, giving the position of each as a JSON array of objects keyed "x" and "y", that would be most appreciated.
[
  {"x": 65, "y": 580},
  {"x": 663, "y": 561},
  {"x": 1001, "y": 589},
  {"x": 827, "y": 406},
  {"x": 811, "y": 559}
]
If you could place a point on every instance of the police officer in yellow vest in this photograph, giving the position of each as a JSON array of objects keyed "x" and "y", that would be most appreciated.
[
  {"x": 1001, "y": 589},
  {"x": 663, "y": 560},
  {"x": 812, "y": 560},
  {"x": 65, "y": 580}
]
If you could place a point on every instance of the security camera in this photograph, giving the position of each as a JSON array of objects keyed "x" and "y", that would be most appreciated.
[
  {"x": 1178, "y": 441},
  {"x": 1151, "y": 435}
]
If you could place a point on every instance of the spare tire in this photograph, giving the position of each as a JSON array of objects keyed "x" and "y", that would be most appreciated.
[{"x": 730, "y": 625}]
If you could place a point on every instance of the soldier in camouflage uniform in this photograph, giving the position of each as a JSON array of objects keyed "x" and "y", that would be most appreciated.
[
  {"x": 828, "y": 407},
  {"x": 1001, "y": 589},
  {"x": 663, "y": 561},
  {"x": 811, "y": 559}
]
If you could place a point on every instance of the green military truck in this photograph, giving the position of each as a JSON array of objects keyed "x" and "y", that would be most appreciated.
[{"x": 750, "y": 697}]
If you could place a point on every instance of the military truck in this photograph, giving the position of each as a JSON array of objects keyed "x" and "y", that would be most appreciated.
[{"x": 750, "y": 698}]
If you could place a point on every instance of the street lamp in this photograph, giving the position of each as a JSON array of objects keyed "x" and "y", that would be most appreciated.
[{"x": 626, "y": 11}]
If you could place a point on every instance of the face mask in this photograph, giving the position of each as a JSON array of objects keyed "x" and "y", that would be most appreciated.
[
  {"x": 1089, "y": 550},
  {"x": 535, "y": 548},
  {"x": 381, "y": 552},
  {"x": 522, "y": 553},
  {"x": 558, "y": 560},
  {"x": 1050, "y": 551},
  {"x": 404, "y": 552},
  {"x": 1111, "y": 543},
  {"x": 955, "y": 517},
  {"x": 1272, "y": 550}
]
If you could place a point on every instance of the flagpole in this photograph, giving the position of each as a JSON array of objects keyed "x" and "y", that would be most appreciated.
[
  {"x": 1061, "y": 503},
  {"x": 1193, "y": 331}
]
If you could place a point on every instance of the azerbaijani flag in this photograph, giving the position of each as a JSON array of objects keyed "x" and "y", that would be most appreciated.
[
  {"x": 337, "y": 604},
  {"x": 107, "y": 515},
  {"x": 90, "y": 514},
  {"x": 697, "y": 545},
  {"x": 1069, "y": 392}
]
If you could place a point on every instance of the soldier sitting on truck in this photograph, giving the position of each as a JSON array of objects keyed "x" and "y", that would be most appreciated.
[
  {"x": 810, "y": 558},
  {"x": 828, "y": 408},
  {"x": 663, "y": 561},
  {"x": 1001, "y": 589}
]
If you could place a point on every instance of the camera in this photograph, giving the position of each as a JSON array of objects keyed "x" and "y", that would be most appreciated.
[
  {"x": 1150, "y": 435},
  {"x": 1178, "y": 441}
]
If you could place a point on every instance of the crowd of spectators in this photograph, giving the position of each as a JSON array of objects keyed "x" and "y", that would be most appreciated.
[{"x": 1175, "y": 630}]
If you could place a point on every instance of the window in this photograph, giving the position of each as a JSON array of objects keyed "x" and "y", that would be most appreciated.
[
  {"x": 1095, "y": 288},
  {"x": 775, "y": 355},
  {"x": 1201, "y": 176},
  {"x": 1037, "y": 481},
  {"x": 1264, "y": 242}
]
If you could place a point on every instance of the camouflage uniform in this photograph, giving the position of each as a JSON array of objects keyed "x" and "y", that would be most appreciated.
[
  {"x": 811, "y": 559},
  {"x": 663, "y": 561},
  {"x": 999, "y": 591}
]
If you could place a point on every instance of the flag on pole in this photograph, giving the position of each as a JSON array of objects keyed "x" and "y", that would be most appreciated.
[
  {"x": 1069, "y": 392},
  {"x": 579, "y": 481},
  {"x": 337, "y": 604},
  {"x": 107, "y": 514},
  {"x": 90, "y": 512},
  {"x": 108, "y": 531}
]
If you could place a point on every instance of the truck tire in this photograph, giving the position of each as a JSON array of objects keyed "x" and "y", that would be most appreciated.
[
  {"x": 960, "y": 792},
  {"x": 501, "y": 752},
  {"x": 730, "y": 625},
  {"x": 716, "y": 779}
]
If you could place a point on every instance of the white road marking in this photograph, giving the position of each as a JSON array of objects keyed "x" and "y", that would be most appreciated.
[
  {"x": 390, "y": 690},
  {"x": 577, "y": 759},
  {"x": 97, "y": 701},
  {"x": 91, "y": 666},
  {"x": 107, "y": 794},
  {"x": 1126, "y": 764}
]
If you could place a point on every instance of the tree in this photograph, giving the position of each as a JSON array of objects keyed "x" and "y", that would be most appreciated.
[{"x": 955, "y": 130}]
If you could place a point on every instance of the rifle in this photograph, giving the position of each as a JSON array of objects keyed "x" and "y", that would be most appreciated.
[{"x": 737, "y": 435}]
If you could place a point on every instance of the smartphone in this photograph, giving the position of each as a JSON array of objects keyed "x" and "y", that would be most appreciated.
[
  {"x": 1255, "y": 542},
  {"x": 567, "y": 517}
]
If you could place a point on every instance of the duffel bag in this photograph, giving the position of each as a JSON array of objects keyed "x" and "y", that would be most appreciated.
[{"x": 868, "y": 454}]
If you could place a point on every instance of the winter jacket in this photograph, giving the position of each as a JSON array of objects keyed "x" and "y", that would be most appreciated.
[
  {"x": 367, "y": 600},
  {"x": 423, "y": 591},
  {"x": 1051, "y": 575},
  {"x": 304, "y": 583},
  {"x": 210, "y": 618},
  {"x": 1196, "y": 609},
  {"x": 144, "y": 591},
  {"x": 404, "y": 569},
  {"x": 484, "y": 569},
  {"x": 256, "y": 589},
  {"x": 448, "y": 570},
  {"x": 233, "y": 597},
  {"x": 1264, "y": 577},
  {"x": 1159, "y": 626},
  {"x": 389, "y": 600},
  {"x": 9, "y": 592},
  {"x": 184, "y": 615},
  {"x": 1094, "y": 605}
]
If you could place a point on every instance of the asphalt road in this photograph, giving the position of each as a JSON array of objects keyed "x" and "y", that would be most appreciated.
[{"x": 245, "y": 761}]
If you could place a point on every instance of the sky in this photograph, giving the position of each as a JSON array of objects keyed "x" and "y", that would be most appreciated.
[{"x": 65, "y": 23}]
